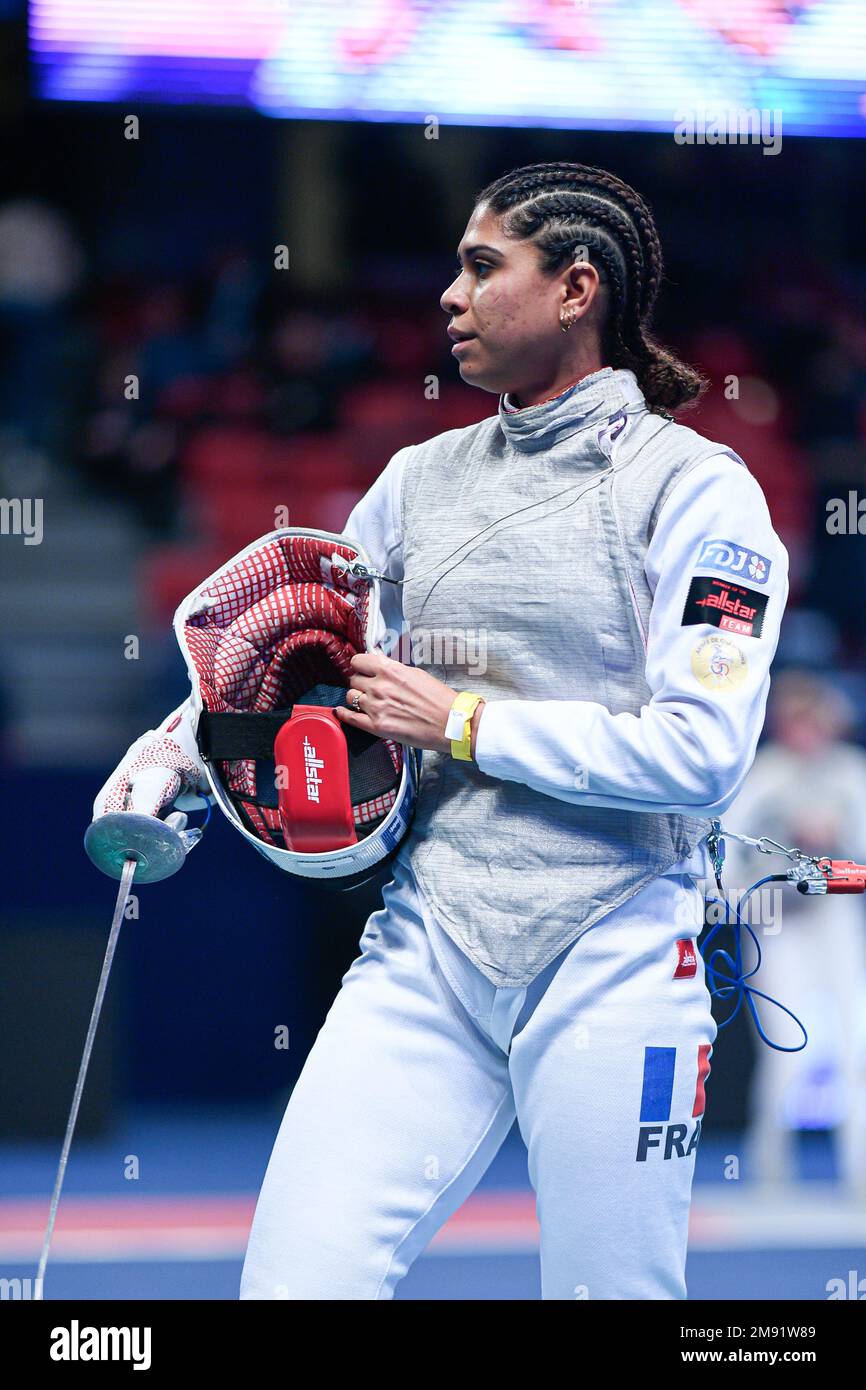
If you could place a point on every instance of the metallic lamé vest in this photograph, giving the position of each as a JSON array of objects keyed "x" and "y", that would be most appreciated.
[{"x": 524, "y": 540}]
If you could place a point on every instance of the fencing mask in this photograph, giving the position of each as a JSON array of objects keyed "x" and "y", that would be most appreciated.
[{"x": 268, "y": 640}]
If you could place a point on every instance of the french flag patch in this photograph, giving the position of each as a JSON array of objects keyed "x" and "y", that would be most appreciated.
[{"x": 688, "y": 960}]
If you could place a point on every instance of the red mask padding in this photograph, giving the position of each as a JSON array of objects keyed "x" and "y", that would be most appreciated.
[{"x": 269, "y": 630}]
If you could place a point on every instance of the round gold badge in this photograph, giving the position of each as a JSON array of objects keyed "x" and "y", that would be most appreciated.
[{"x": 719, "y": 664}]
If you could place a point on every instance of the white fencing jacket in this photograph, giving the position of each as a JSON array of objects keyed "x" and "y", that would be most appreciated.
[{"x": 629, "y": 628}]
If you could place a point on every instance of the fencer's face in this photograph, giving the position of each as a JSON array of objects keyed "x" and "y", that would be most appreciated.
[{"x": 510, "y": 308}]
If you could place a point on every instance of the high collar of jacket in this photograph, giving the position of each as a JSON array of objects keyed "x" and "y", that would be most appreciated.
[{"x": 592, "y": 400}]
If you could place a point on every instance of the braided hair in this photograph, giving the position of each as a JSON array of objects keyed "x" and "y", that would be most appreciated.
[{"x": 561, "y": 207}]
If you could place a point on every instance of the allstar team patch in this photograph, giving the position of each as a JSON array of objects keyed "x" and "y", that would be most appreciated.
[
  {"x": 732, "y": 607},
  {"x": 734, "y": 559}
]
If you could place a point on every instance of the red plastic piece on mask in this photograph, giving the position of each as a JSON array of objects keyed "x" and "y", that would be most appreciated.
[{"x": 313, "y": 792}]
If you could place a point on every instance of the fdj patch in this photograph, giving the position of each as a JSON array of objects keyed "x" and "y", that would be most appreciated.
[
  {"x": 733, "y": 607},
  {"x": 727, "y": 555}
]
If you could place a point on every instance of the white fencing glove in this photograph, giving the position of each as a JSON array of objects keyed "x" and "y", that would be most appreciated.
[{"x": 163, "y": 768}]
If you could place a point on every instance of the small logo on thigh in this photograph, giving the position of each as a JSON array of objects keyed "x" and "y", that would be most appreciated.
[{"x": 688, "y": 960}]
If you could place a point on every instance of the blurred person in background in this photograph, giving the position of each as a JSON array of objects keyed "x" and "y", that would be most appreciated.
[
  {"x": 41, "y": 268},
  {"x": 807, "y": 789}
]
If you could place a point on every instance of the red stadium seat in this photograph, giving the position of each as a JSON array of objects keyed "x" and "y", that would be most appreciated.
[
  {"x": 169, "y": 572},
  {"x": 380, "y": 417},
  {"x": 235, "y": 453},
  {"x": 224, "y": 453},
  {"x": 232, "y": 516},
  {"x": 380, "y": 404}
]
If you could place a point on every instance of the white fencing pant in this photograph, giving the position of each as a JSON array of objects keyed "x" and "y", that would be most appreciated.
[{"x": 420, "y": 1068}]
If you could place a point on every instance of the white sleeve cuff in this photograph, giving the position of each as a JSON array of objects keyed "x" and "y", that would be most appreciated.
[{"x": 492, "y": 742}]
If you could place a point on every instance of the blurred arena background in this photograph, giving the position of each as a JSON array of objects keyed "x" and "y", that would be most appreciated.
[{"x": 166, "y": 384}]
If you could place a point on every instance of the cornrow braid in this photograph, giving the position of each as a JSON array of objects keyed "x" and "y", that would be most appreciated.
[{"x": 561, "y": 207}]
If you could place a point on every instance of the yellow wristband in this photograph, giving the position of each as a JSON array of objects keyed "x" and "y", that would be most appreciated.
[{"x": 459, "y": 726}]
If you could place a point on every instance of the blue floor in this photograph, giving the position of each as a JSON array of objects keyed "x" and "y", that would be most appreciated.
[
  {"x": 756, "y": 1276},
  {"x": 225, "y": 1152}
]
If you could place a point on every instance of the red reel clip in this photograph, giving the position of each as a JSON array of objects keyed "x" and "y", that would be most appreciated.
[{"x": 843, "y": 875}]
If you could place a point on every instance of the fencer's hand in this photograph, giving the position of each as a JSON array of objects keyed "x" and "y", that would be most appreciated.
[
  {"x": 399, "y": 702},
  {"x": 160, "y": 769}
]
